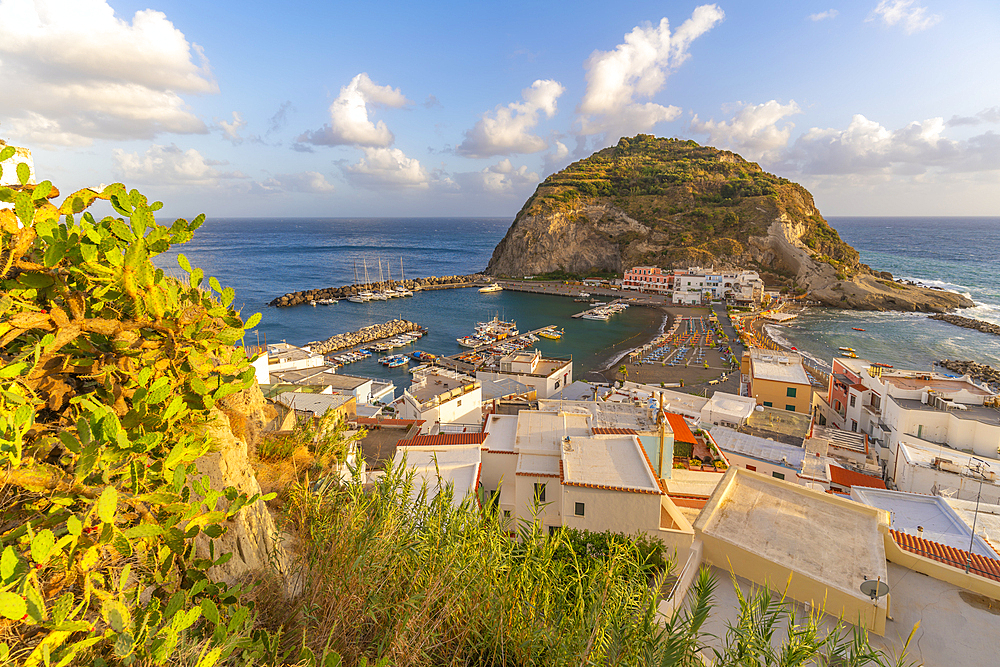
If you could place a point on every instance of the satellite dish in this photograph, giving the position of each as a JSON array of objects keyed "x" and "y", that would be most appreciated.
[{"x": 874, "y": 589}]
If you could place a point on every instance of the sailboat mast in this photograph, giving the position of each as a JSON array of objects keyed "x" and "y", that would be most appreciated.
[
  {"x": 401, "y": 277},
  {"x": 381, "y": 281},
  {"x": 365, "y": 263}
]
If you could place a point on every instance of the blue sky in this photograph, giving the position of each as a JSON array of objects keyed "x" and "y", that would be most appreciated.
[{"x": 880, "y": 107}]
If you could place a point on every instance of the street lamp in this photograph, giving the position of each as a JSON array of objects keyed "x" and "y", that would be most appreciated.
[{"x": 979, "y": 467}]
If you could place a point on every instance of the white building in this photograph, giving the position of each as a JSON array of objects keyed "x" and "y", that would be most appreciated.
[
  {"x": 439, "y": 396},
  {"x": 440, "y": 462},
  {"x": 931, "y": 407},
  {"x": 545, "y": 375},
  {"x": 925, "y": 467},
  {"x": 285, "y": 357}
]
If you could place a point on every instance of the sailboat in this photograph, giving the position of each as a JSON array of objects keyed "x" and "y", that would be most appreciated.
[
  {"x": 367, "y": 295},
  {"x": 386, "y": 292},
  {"x": 400, "y": 290},
  {"x": 357, "y": 297}
]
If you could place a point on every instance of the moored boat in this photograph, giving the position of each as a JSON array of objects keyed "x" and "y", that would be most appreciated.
[{"x": 495, "y": 287}]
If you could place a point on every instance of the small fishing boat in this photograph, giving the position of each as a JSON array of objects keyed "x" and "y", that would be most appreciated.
[
  {"x": 551, "y": 333},
  {"x": 495, "y": 287},
  {"x": 849, "y": 355},
  {"x": 881, "y": 365},
  {"x": 327, "y": 302},
  {"x": 847, "y": 349},
  {"x": 857, "y": 328}
]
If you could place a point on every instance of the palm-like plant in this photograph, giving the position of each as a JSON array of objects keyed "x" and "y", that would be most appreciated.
[{"x": 623, "y": 371}]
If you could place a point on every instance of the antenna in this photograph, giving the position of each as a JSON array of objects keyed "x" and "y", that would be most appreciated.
[{"x": 874, "y": 589}]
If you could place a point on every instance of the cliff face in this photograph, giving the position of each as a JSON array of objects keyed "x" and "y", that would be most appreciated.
[{"x": 674, "y": 204}]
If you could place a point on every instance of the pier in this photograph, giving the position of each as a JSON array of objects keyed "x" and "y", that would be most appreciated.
[
  {"x": 416, "y": 285},
  {"x": 365, "y": 335},
  {"x": 463, "y": 366}
]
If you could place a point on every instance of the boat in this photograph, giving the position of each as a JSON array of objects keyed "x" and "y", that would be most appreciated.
[
  {"x": 847, "y": 349},
  {"x": 584, "y": 295},
  {"x": 849, "y": 355},
  {"x": 881, "y": 365},
  {"x": 357, "y": 298},
  {"x": 857, "y": 328},
  {"x": 400, "y": 290},
  {"x": 552, "y": 333},
  {"x": 597, "y": 315},
  {"x": 327, "y": 302},
  {"x": 495, "y": 287}
]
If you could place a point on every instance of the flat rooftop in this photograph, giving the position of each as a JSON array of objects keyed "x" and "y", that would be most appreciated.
[
  {"x": 979, "y": 413},
  {"x": 783, "y": 422},
  {"x": 923, "y": 452},
  {"x": 501, "y": 432},
  {"x": 537, "y": 464},
  {"x": 835, "y": 437},
  {"x": 606, "y": 415},
  {"x": 438, "y": 467},
  {"x": 323, "y": 374},
  {"x": 542, "y": 432},
  {"x": 615, "y": 462},
  {"x": 757, "y": 448},
  {"x": 778, "y": 367},
  {"x": 283, "y": 352},
  {"x": 910, "y": 511},
  {"x": 434, "y": 384},
  {"x": 831, "y": 540},
  {"x": 935, "y": 382},
  {"x": 318, "y": 404},
  {"x": 986, "y": 518}
]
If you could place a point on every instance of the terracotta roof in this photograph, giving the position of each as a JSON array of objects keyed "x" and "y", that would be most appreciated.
[
  {"x": 614, "y": 431},
  {"x": 443, "y": 439},
  {"x": 848, "y": 478},
  {"x": 980, "y": 565},
  {"x": 859, "y": 387},
  {"x": 682, "y": 432},
  {"x": 377, "y": 421}
]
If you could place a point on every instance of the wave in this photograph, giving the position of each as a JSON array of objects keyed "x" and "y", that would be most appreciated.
[{"x": 964, "y": 290}]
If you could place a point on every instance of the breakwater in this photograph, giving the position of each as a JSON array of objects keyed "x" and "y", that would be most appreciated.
[
  {"x": 416, "y": 284},
  {"x": 981, "y": 372},
  {"x": 362, "y": 336},
  {"x": 968, "y": 323}
]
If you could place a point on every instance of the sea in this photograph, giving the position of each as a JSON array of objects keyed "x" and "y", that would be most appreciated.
[{"x": 262, "y": 258}]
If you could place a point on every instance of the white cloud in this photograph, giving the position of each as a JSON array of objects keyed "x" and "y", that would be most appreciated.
[
  {"x": 387, "y": 167},
  {"x": 507, "y": 130},
  {"x": 232, "y": 130},
  {"x": 991, "y": 116},
  {"x": 867, "y": 147},
  {"x": 169, "y": 165},
  {"x": 86, "y": 74},
  {"x": 828, "y": 14},
  {"x": 501, "y": 178},
  {"x": 311, "y": 182},
  {"x": 903, "y": 12},
  {"x": 349, "y": 123},
  {"x": 637, "y": 69},
  {"x": 753, "y": 132}
]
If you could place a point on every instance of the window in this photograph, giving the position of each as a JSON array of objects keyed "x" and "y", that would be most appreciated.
[
  {"x": 753, "y": 468},
  {"x": 768, "y": 404},
  {"x": 557, "y": 383},
  {"x": 506, "y": 514},
  {"x": 778, "y": 475},
  {"x": 854, "y": 399},
  {"x": 790, "y": 392},
  {"x": 854, "y": 426},
  {"x": 578, "y": 509},
  {"x": 540, "y": 492},
  {"x": 876, "y": 401},
  {"x": 836, "y": 406},
  {"x": 553, "y": 529},
  {"x": 790, "y": 408}
]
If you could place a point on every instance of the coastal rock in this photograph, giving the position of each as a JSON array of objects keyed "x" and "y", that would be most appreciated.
[
  {"x": 981, "y": 372},
  {"x": 676, "y": 204},
  {"x": 968, "y": 323}
]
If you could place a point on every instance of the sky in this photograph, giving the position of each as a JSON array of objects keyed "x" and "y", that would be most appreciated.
[{"x": 335, "y": 109}]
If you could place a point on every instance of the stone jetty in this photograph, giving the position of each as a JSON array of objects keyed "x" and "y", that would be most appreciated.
[
  {"x": 981, "y": 372},
  {"x": 417, "y": 284},
  {"x": 365, "y": 335},
  {"x": 968, "y": 323}
]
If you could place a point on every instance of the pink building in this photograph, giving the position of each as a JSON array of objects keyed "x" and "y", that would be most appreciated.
[{"x": 649, "y": 279}]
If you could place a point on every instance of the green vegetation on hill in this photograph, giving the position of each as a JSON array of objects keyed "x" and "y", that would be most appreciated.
[{"x": 699, "y": 203}]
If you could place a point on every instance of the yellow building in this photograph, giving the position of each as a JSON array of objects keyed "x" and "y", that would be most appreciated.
[{"x": 777, "y": 380}]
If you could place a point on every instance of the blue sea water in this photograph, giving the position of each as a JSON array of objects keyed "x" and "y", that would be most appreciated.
[
  {"x": 958, "y": 254},
  {"x": 266, "y": 257}
]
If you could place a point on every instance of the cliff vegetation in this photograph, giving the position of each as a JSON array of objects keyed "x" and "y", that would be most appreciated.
[{"x": 673, "y": 203}]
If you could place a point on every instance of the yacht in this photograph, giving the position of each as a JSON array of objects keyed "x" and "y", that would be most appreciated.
[
  {"x": 400, "y": 290},
  {"x": 495, "y": 287}
]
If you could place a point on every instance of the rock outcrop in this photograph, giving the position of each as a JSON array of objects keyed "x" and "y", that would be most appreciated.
[
  {"x": 969, "y": 323},
  {"x": 675, "y": 204},
  {"x": 981, "y": 372},
  {"x": 251, "y": 536}
]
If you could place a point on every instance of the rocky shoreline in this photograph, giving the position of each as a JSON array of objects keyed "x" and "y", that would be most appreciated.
[
  {"x": 968, "y": 323},
  {"x": 981, "y": 372},
  {"x": 417, "y": 284},
  {"x": 362, "y": 336}
]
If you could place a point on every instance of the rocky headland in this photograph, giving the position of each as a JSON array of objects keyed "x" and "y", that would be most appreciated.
[
  {"x": 981, "y": 372},
  {"x": 432, "y": 282},
  {"x": 674, "y": 204}
]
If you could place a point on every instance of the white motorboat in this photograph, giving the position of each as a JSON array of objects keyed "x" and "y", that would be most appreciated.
[
  {"x": 356, "y": 298},
  {"x": 495, "y": 287}
]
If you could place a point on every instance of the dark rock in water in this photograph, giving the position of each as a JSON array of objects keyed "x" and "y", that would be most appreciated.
[
  {"x": 981, "y": 372},
  {"x": 968, "y": 323}
]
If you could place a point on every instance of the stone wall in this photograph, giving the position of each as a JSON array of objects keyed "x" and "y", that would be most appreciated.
[
  {"x": 417, "y": 284},
  {"x": 361, "y": 336},
  {"x": 968, "y": 323}
]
